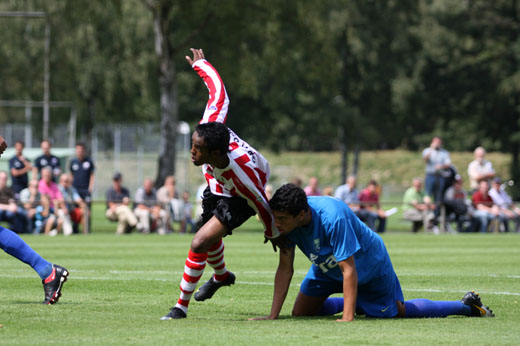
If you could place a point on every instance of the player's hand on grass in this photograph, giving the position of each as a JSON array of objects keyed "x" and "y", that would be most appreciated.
[
  {"x": 281, "y": 242},
  {"x": 198, "y": 54}
]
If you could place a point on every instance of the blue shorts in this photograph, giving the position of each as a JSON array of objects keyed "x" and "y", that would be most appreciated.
[{"x": 377, "y": 298}]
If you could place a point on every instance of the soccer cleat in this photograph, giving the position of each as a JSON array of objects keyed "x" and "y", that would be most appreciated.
[
  {"x": 211, "y": 286},
  {"x": 174, "y": 314},
  {"x": 473, "y": 300},
  {"x": 53, "y": 284}
]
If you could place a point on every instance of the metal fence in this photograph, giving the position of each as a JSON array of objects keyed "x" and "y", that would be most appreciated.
[{"x": 131, "y": 149}]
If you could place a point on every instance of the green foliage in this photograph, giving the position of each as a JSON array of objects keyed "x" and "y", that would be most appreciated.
[
  {"x": 119, "y": 287},
  {"x": 300, "y": 75}
]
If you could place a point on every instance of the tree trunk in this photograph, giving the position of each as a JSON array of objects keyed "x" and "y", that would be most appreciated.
[
  {"x": 344, "y": 155},
  {"x": 168, "y": 90}
]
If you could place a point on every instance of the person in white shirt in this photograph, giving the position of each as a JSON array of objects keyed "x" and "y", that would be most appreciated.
[
  {"x": 480, "y": 169},
  {"x": 507, "y": 208}
]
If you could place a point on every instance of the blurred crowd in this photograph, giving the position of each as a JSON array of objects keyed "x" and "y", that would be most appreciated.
[
  {"x": 53, "y": 202},
  {"x": 43, "y": 199},
  {"x": 439, "y": 199}
]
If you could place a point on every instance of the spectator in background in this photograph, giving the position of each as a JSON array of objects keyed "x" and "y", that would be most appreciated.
[
  {"x": 480, "y": 169},
  {"x": 118, "y": 209},
  {"x": 268, "y": 191},
  {"x": 297, "y": 181},
  {"x": 370, "y": 211},
  {"x": 168, "y": 197},
  {"x": 45, "y": 218},
  {"x": 30, "y": 198},
  {"x": 187, "y": 208},
  {"x": 486, "y": 211},
  {"x": 47, "y": 160},
  {"x": 76, "y": 207},
  {"x": 82, "y": 169},
  {"x": 505, "y": 204},
  {"x": 18, "y": 167},
  {"x": 418, "y": 207},
  {"x": 148, "y": 210},
  {"x": 48, "y": 187},
  {"x": 312, "y": 189},
  {"x": 438, "y": 163},
  {"x": 348, "y": 193},
  {"x": 458, "y": 206},
  {"x": 328, "y": 191},
  {"x": 9, "y": 210}
]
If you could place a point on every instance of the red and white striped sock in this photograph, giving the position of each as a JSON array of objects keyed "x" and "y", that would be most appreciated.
[
  {"x": 193, "y": 270},
  {"x": 216, "y": 261}
]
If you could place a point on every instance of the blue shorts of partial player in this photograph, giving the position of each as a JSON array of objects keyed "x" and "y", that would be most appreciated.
[{"x": 376, "y": 298}]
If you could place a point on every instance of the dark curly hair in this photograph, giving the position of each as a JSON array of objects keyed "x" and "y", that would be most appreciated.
[
  {"x": 215, "y": 135},
  {"x": 289, "y": 198}
]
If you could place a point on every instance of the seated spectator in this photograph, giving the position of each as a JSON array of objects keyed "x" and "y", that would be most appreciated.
[
  {"x": 150, "y": 215},
  {"x": 76, "y": 207},
  {"x": 9, "y": 210},
  {"x": 48, "y": 187},
  {"x": 348, "y": 193},
  {"x": 480, "y": 169},
  {"x": 486, "y": 211},
  {"x": 297, "y": 181},
  {"x": 369, "y": 210},
  {"x": 312, "y": 189},
  {"x": 118, "y": 209},
  {"x": 458, "y": 206},
  {"x": 268, "y": 191},
  {"x": 168, "y": 197},
  {"x": 187, "y": 219},
  {"x": 18, "y": 167},
  {"x": 30, "y": 198},
  {"x": 45, "y": 219},
  {"x": 505, "y": 204},
  {"x": 328, "y": 191},
  {"x": 418, "y": 207}
]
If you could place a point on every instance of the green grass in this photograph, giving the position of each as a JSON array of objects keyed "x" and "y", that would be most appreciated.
[{"x": 119, "y": 287}]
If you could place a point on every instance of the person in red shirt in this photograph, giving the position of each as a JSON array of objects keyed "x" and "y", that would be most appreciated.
[
  {"x": 370, "y": 211},
  {"x": 485, "y": 209}
]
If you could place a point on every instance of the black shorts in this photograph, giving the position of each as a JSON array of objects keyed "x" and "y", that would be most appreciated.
[{"x": 231, "y": 211}]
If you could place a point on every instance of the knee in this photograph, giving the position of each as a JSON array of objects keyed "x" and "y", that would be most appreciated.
[
  {"x": 296, "y": 313},
  {"x": 200, "y": 244}
]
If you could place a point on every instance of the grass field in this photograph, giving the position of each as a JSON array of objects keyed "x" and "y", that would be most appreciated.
[{"x": 119, "y": 287}]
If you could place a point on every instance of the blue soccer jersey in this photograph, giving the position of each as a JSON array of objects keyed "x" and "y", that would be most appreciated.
[{"x": 336, "y": 233}]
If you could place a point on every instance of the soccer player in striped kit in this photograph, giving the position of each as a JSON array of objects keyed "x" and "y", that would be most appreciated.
[{"x": 236, "y": 175}]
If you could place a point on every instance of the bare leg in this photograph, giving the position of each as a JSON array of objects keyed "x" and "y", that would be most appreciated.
[
  {"x": 209, "y": 234},
  {"x": 306, "y": 305}
]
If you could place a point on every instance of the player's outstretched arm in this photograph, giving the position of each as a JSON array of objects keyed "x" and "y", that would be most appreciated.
[
  {"x": 282, "y": 280},
  {"x": 218, "y": 102},
  {"x": 350, "y": 283}
]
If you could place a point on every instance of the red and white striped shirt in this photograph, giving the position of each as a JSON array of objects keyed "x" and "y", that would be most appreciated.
[{"x": 248, "y": 171}]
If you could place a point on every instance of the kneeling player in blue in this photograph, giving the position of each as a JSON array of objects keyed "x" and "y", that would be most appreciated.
[{"x": 347, "y": 258}]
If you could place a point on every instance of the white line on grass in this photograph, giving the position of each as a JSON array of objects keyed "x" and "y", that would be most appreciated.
[{"x": 112, "y": 278}]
